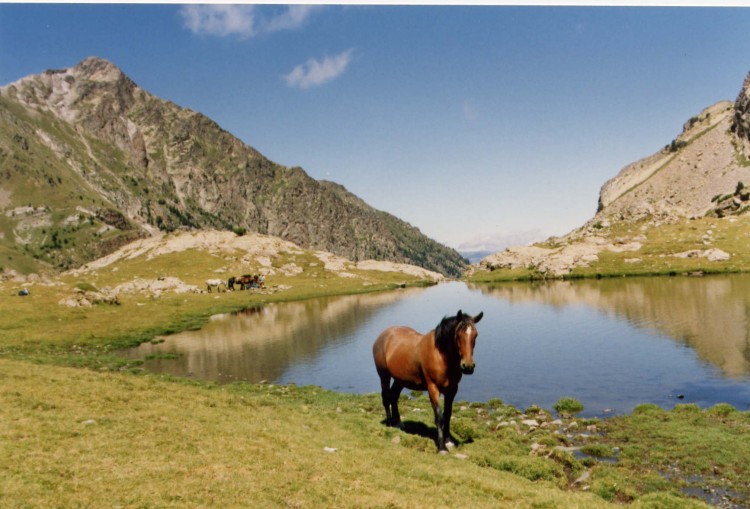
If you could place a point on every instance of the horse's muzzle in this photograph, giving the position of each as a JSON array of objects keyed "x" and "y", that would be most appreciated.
[{"x": 467, "y": 369}]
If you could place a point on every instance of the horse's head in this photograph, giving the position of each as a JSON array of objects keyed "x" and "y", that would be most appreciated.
[{"x": 466, "y": 337}]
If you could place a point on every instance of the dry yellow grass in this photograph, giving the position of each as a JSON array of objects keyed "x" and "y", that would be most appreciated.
[{"x": 74, "y": 438}]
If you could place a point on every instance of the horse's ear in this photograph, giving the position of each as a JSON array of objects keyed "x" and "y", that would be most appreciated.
[
  {"x": 458, "y": 315},
  {"x": 479, "y": 316}
]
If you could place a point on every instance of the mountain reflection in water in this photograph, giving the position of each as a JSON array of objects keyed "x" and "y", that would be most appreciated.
[
  {"x": 710, "y": 314},
  {"x": 612, "y": 344},
  {"x": 259, "y": 344}
]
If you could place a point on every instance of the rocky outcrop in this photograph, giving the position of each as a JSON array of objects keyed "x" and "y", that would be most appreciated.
[
  {"x": 741, "y": 120},
  {"x": 96, "y": 139},
  {"x": 733, "y": 204},
  {"x": 558, "y": 261}
]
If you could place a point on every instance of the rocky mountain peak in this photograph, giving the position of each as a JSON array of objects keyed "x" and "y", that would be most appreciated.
[
  {"x": 93, "y": 84},
  {"x": 98, "y": 69}
]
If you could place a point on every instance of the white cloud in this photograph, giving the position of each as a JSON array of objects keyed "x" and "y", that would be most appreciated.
[
  {"x": 243, "y": 21},
  {"x": 314, "y": 72},
  {"x": 293, "y": 17},
  {"x": 220, "y": 20}
]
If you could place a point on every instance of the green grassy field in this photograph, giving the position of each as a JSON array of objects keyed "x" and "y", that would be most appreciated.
[
  {"x": 78, "y": 438},
  {"x": 82, "y": 427}
]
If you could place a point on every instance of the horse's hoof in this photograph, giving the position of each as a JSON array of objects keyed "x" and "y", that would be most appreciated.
[
  {"x": 443, "y": 451},
  {"x": 450, "y": 445}
]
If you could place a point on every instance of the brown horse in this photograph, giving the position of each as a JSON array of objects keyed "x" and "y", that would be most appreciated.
[
  {"x": 434, "y": 362},
  {"x": 245, "y": 281}
]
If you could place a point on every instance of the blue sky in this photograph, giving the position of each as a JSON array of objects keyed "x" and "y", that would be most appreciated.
[{"x": 481, "y": 125}]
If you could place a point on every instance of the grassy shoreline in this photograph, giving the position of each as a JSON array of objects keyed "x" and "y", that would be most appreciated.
[
  {"x": 662, "y": 251},
  {"x": 104, "y": 436}
]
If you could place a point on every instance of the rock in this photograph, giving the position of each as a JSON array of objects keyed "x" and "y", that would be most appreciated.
[
  {"x": 712, "y": 255},
  {"x": 113, "y": 218},
  {"x": 583, "y": 478},
  {"x": 716, "y": 255},
  {"x": 537, "y": 448},
  {"x": 87, "y": 299}
]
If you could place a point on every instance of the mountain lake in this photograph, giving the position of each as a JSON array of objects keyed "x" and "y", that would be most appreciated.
[{"x": 612, "y": 343}]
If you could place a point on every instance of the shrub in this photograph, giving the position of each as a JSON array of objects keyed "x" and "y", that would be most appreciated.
[
  {"x": 239, "y": 231},
  {"x": 675, "y": 145},
  {"x": 568, "y": 406},
  {"x": 721, "y": 410},
  {"x": 686, "y": 408},
  {"x": 647, "y": 408}
]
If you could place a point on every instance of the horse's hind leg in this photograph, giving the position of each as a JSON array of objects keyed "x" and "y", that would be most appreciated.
[
  {"x": 395, "y": 393},
  {"x": 385, "y": 394}
]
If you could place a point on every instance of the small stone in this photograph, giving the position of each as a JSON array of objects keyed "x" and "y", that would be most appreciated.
[
  {"x": 330, "y": 449},
  {"x": 583, "y": 478}
]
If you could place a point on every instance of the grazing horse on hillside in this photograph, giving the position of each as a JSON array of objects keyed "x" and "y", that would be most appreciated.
[
  {"x": 214, "y": 283},
  {"x": 435, "y": 362},
  {"x": 230, "y": 283}
]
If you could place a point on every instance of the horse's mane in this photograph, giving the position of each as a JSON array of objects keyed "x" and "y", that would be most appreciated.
[{"x": 445, "y": 332}]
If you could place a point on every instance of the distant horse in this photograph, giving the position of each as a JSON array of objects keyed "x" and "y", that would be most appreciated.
[
  {"x": 230, "y": 283},
  {"x": 435, "y": 362},
  {"x": 245, "y": 281},
  {"x": 214, "y": 283}
]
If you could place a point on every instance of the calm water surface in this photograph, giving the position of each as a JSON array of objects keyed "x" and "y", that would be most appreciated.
[{"x": 612, "y": 344}]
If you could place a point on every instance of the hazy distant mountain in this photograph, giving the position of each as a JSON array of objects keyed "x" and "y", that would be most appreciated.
[
  {"x": 475, "y": 256},
  {"x": 89, "y": 161}
]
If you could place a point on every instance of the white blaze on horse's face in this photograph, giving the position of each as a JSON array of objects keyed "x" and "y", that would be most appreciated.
[{"x": 466, "y": 340}]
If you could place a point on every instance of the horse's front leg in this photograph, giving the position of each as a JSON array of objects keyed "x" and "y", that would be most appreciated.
[
  {"x": 447, "y": 412},
  {"x": 434, "y": 393}
]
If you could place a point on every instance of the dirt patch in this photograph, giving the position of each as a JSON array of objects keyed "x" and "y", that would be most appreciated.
[{"x": 4, "y": 198}]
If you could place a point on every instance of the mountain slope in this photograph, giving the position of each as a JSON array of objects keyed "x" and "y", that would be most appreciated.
[
  {"x": 90, "y": 161},
  {"x": 687, "y": 178},
  {"x": 661, "y": 210}
]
